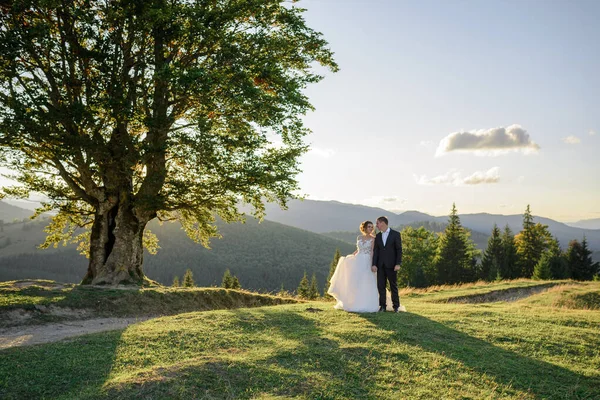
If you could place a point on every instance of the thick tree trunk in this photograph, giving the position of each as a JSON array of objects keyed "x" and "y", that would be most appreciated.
[{"x": 116, "y": 250}]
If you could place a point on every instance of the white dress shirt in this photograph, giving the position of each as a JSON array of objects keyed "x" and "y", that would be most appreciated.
[{"x": 385, "y": 235}]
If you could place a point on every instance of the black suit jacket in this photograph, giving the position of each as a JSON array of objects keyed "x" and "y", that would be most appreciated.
[{"x": 390, "y": 255}]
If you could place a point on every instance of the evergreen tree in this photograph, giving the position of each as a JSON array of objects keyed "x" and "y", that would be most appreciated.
[
  {"x": 176, "y": 282},
  {"x": 235, "y": 283},
  {"x": 419, "y": 248},
  {"x": 580, "y": 261},
  {"x": 332, "y": 266},
  {"x": 455, "y": 261},
  {"x": 227, "y": 281},
  {"x": 303, "y": 289},
  {"x": 509, "y": 264},
  {"x": 188, "y": 279},
  {"x": 313, "y": 291},
  {"x": 531, "y": 243},
  {"x": 492, "y": 258},
  {"x": 543, "y": 270},
  {"x": 559, "y": 268}
]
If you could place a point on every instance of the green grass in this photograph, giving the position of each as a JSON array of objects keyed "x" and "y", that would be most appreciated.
[
  {"x": 528, "y": 349},
  {"x": 107, "y": 302}
]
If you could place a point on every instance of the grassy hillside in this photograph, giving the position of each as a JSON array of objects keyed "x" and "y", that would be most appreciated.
[
  {"x": 526, "y": 349},
  {"x": 263, "y": 256},
  {"x": 40, "y": 301}
]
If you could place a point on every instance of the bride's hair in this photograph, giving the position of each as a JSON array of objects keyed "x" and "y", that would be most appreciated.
[{"x": 363, "y": 227}]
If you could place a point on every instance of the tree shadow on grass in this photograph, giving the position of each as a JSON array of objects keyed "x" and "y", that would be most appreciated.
[
  {"x": 307, "y": 365},
  {"x": 66, "y": 368},
  {"x": 540, "y": 378}
]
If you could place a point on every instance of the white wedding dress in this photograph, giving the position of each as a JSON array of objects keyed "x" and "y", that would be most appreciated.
[{"x": 353, "y": 284}]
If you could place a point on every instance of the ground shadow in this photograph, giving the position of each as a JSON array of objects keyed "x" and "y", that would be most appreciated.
[
  {"x": 540, "y": 378},
  {"x": 65, "y": 368}
]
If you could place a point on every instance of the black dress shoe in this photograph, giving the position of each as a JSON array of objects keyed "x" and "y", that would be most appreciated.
[
  {"x": 395, "y": 310},
  {"x": 381, "y": 309}
]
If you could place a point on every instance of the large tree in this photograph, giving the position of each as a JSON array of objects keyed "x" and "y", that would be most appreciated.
[
  {"x": 419, "y": 248},
  {"x": 531, "y": 243},
  {"x": 492, "y": 257},
  {"x": 456, "y": 256},
  {"x": 124, "y": 111}
]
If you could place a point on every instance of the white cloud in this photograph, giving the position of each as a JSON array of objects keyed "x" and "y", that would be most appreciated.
[
  {"x": 572, "y": 140},
  {"x": 493, "y": 141},
  {"x": 490, "y": 176},
  {"x": 454, "y": 178},
  {"x": 323, "y": 153},
  {"x": 592, "y": 132},
  {"x": 521, "y": 179}
]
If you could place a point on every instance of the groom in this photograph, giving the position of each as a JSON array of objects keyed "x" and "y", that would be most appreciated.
[{"x": 387, "y": 257}]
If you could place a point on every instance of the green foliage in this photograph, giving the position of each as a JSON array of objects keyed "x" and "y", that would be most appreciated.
[
  {"x": 509, "y": 265},
  {"x": 303, "y": 289},
  {"x": 419, "y": 248},
  {"x": 176, "y": 282},
  {"x": 580, "y": 261},
  {"x": 227, "y": 281},
  {"x": 543, "y": 270},
  {"x": 456, "y": 257},
  {"x": 188, "y": 279},
  {"x": 492, "y": 257},
  {"x": 235, "y": 283},
  {"x": 531, "y": 242},
  {"x": 154, "y": 108},
  {"x": 313, "y": 291}
]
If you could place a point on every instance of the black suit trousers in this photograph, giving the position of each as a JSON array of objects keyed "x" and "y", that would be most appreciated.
[{"x": 391, "y": 276}]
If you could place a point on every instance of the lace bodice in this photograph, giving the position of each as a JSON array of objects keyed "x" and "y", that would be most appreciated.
[{"x": 364, "y": 246}]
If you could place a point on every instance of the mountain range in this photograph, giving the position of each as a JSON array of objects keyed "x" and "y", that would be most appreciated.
[
  {"x": 330, "y": 216},
  {"x": 263, "y": 255}
]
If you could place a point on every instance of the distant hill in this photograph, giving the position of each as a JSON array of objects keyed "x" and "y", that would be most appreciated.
[
  {"x": 263, "y": 256},
  {"x": 586, "y": 224},
  {"x": 8, "y": 212},
  {"x": 480, "y": 239},
  {"x": 332, "y": 216}
]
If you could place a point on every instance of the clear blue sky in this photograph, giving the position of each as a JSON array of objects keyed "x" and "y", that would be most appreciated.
[{"x": 414, "y": 72}]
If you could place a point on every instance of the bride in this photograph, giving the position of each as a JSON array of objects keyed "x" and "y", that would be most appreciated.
[{"x": 353, "y": 284}]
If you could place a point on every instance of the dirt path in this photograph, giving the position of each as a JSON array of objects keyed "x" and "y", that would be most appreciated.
[
  {"x": 508, "y": 295},
  {"x": 36, "y": 334}
]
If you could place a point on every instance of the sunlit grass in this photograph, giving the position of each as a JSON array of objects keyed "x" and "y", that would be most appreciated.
[{"x": 521, "y": 350}]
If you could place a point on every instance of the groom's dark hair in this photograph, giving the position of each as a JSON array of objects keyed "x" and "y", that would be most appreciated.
[{"x": 383, "y": 219}]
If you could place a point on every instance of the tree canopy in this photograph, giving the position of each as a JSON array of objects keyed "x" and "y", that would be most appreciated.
[{"x": 124, "y": 111}]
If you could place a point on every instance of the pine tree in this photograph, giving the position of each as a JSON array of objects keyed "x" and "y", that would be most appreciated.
[
  {"x": 455, "y": 262},
  {"x": 559, "y": 269},
  {"x": 235, "y": 283},
  {"x": 531, "y": 244},
  {"x": 580, "y": 261},
  {"x": 492, "y": 257},
  {"x": 188, "y": 279},
  {"x": 303, "y": 289},
  {"x": 227, "y": 282},
  {"x": 543, "y": 270},
  {"x": 176, "y": 282},
  {"x": 332, "y": 266},
  {"x": 313, "y": 291},
  {"x": 509, "y": 263}
]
